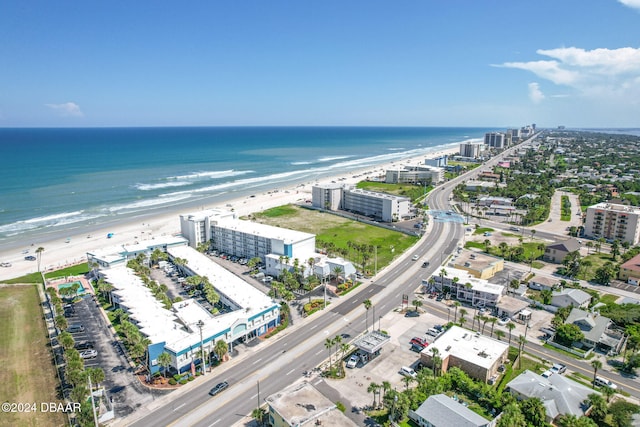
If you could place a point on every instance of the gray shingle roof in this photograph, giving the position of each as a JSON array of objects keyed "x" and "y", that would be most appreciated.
[{"x": 442, "y": 411}]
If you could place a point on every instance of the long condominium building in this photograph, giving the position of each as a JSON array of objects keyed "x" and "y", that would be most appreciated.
[
  {"x": 471, "y": 149},
  {"x": 495, "y": 139},
  {"x": 415, "y": 174},
  {"x": 380, "y": 206},
  {"x": 613, "y": 222}
]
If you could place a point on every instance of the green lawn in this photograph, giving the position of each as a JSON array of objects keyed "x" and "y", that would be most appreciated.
[
  {"x": 597, "y": 261},
  {"x": 74, "y": 270},
  {"x": 483, "y": 230},
  {"x": 27, "y": 374},
  {"x": 339, "y": 231}
]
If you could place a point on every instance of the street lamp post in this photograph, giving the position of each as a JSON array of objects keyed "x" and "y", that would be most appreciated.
[
  {"x": 204, "y": 362},
  {"x": 379, "y": 320}
]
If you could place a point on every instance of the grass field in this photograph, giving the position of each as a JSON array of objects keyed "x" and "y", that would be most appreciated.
[
  {"x": 412, "y": 191},
  {"x": 27, "y": 374},
  {"x": 339, "y": 230}
]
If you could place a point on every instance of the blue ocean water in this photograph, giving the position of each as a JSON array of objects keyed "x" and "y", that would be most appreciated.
[{"x": 66, "y": 178}]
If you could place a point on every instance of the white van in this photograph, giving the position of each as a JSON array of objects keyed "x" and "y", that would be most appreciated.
[
  {"x": 433, "y": 332},
  {"x": 603, "y": 382},
  {"x": 408, "y": 372}
]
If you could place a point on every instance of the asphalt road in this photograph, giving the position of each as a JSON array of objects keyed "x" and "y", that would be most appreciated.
[{"x": 294, "y": 351}]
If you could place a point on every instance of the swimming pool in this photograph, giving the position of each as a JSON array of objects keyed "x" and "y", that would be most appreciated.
[{"x": 80, "y": 291}]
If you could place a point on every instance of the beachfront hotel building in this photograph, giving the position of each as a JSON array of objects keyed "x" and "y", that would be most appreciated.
[
  {"x": 415, "y": 175},
  {"x": 379, "y": 206},
  {"x": 495, "y": 139},
  {"x": 472, "y": 150},
  {"x": 613, "y": 222},
  {"x": 187, "y": 327}
]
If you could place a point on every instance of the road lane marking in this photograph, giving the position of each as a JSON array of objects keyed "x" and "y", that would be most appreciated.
[
  {"x": 313, "y": 327},
  {"x": 319, "y": 352},
  {"x": 290, "y": 372},
  {"x": 179, "y": 406},
  {"x": 257, "y": 361},
  {"x": 215, "y": 422}
]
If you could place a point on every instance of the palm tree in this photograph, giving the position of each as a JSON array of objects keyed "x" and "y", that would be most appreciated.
[
  {"x": 386, "y": 387},
  {"x": 521, "y": 342},
  {"x": 499, "y": 334},
  {"x": 434, "y": 354},
  {"x": 407, "y": 381},
  {"x": 221, "y": 349},
  {"x": 373, "y": 388},
  {"x": 455, "y": 313},
  {"x": 337, "y": 271},
  {"x": 416, "y": 303},
  {"x": 493, "y": 321},
  {"x": 367, "y": 304},
  {"x": 596, "y": 364},
  {"x": 39, "y": 255},
  {"x": 258, "y": 414},
  {"x": 337, "y": 340},
  {"x": 463, "y": 312},
  {"x": 164, "y": 360},
  {"x": 589, "y": 245},
  {"x": 510, "y": 326},
  {"x": 328, "y": 344}
]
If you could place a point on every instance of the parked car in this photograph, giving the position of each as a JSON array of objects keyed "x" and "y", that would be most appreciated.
[
  {"x": 353, "y": 361},
  {"x": 89, "y": 354},
  {"x": 503, "y": 321},
  {"x": 75, "y": 329},
  {"x": 219, "y": 388},
  {"x": 419, "y": 341},
  {"x": 558, "y": 368},
  {"x": 408, "y": 372},
  {"x": 412, "y": 313},
  {"x": 84, "y": 345}
]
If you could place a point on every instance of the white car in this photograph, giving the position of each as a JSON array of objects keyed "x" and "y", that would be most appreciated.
[
  {"x": 89, "y": 354},
  {"x": 503, "y": 321},
  {"x": 353, "y": 361},
  {"x": 415, "y": 257}
]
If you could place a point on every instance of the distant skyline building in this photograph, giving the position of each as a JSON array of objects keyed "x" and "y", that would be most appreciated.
[
  {"x": 495, "y": 139},
  {"x": 438, "y": 162},
  {"x": 613, "y": 222}
]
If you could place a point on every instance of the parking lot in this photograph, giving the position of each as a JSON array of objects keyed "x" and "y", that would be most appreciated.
[
  {"x": 397, "y": 353},
  {"x": 123, "y": 388}
]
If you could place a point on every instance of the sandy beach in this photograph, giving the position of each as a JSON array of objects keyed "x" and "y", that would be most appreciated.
[{"x": 61, "y": 252}]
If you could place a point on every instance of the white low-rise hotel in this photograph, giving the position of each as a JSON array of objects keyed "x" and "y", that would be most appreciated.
[
  {"x": 380, "y": 206},
  {"x": 179, "y": 331},
  {"x": 477, "y": 292},
  {"x": 415, "y": 174}
]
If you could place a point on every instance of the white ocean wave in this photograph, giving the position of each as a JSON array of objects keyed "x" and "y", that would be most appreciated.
[
  {"x": 162, "y": 200},
  {"x": 209, "y": 175},
  {"x": 56, "y": 220},
  {"x": 147, "y": 187},
  {"x": 300, "y": 163},
  {"x": 332, "y": 158}
]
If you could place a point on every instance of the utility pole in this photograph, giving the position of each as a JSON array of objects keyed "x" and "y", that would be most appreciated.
[
  {"x": 93, "y": 404},
  {"x": 204, "y": 362}
]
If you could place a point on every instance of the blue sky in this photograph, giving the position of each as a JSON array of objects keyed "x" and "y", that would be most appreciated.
[{"x": 370, "y": 62}]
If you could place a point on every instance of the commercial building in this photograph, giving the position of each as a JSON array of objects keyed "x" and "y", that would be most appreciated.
[
  {"x": 415, "y": 174},
  {"x": 478, "y": 264},
  {"x": 613, "y": 222},
  {"x": 477, "y": 355},
  {"x": 187, "y": 327},
  {"x": 302, "y": 404},
  {"x": 379, "y": 206}
]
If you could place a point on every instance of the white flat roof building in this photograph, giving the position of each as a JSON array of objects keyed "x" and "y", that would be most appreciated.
[
  {"x": 477, "y": 355},
  {"x": 481, "y": 293}
]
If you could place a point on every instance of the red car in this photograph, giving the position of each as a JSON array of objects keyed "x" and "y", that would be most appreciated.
[{"x": 419, "y": 341}]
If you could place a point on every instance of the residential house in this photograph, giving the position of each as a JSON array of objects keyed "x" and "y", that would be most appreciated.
[
  {"x": 571, "y": 297},
  {"x": 559, "y": 394},
  {"x": 439, "y": 410},
  {"x": 630, "y": 271},
  {"x": 542, "y": 283},
  {"x": 599, "y": 331},
  {"x": 556, "y": 252}
]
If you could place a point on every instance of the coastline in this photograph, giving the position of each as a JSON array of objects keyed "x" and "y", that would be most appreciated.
[{"x": 67, "y": 246}]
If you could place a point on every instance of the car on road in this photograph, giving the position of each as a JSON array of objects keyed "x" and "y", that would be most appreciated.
[
  {"x": 353, "y": 361},
  {"x": 415, "y": 257},
  {"x": 603, "y": 382},
  {"x": 219, "y": 388},
  {"x": 89, "y": 354},
  {"x": 412, "y": 313},
  {"x": 425, "y": 264},
  {"x": 30, "y": 258}
]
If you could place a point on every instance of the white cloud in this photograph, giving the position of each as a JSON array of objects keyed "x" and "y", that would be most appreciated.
[
  {"x": 635, "y": 4},
  {"x": 610, "y": 73},
  {"x": 68, "y": 109},
  {"x": 535, "y": 94}
]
